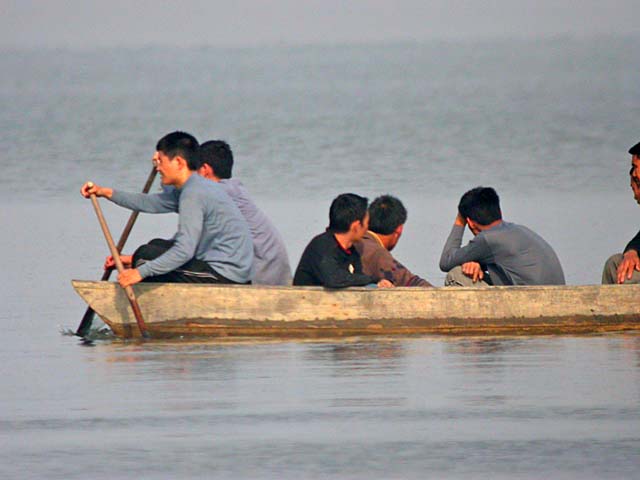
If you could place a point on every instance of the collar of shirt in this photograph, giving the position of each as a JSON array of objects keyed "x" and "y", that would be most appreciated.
[
  {"x": 374, "y": 235},
  {"x": 345, "y": 250}
]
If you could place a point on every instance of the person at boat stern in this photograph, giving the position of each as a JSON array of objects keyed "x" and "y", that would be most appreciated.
[
  {"x": 501, "y": 253},
  {"x": 271, "y": 261},
  {"x": 330, "y": 259},
  {"x": 625, "y": 267},
  {"x": 387, "y": 216},
  {"x": 213, "y": 243}
]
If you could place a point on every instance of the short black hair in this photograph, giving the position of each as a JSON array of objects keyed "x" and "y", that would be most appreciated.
[
  {"x": 182, "y": 144},
  {"x": 481, "y": 204},
  {"x": 635, "y": 150},
  {"x": 386, "y": 213},
  {"x": 218, "y": 155},
  {"x": 346, "y": 209}
]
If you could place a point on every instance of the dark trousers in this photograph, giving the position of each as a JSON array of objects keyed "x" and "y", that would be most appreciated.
[{"x": 194, "y": 271}]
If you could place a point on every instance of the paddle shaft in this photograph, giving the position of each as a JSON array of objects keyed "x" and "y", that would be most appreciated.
[
  {"x": 87, "y": 318},
  {"x": 116, "y": 259}
]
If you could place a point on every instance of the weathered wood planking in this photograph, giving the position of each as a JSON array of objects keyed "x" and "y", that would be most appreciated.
[{"x": 223, "y": 310}]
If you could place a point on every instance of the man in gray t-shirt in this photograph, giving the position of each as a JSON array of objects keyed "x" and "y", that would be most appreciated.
[{"x": 501, "y": 253}]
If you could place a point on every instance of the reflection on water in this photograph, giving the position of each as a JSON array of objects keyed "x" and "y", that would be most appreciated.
[{"x": 544, "y": 407}]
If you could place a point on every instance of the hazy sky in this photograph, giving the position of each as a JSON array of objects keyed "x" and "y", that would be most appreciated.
[{"x": 91, "y": 23}]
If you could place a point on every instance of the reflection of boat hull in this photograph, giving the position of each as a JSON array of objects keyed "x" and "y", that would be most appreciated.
[{"x": 223, "y": 310}]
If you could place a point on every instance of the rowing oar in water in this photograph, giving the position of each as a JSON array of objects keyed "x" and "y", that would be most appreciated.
[
  {"x": 116, "y": 259},
  {"x": 87, "y": 319}
]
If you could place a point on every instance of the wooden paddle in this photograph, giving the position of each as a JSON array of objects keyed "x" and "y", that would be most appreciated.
[
  {"x": 116, "y": 259},
  {"x": 87, "y": 319}
]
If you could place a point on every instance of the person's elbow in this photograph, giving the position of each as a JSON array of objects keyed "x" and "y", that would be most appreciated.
[
  {"x": 445, "y": 264},
  {"x": 183, "y": 255}
]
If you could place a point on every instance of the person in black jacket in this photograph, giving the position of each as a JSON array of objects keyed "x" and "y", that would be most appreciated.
[
  {"x": 330, "y": 260},
  {"x": 625, "y": 267}
]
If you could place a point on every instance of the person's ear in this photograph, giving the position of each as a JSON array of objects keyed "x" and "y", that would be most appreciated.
[
  {"x": 205, "y": 170},
  {"x": 399, "y": 229},
  {"x": 473, "y": 226},
  {"x": 182, "y": 162}
]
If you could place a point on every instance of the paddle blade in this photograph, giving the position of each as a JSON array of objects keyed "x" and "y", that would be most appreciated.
[{"x": 85, "y": 324}]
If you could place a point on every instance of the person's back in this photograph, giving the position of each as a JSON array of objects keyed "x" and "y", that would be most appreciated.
[
  {"x": 271, "y": 261},
  {"x": 326, "y": 263},
  {"x": 520, "y": 257}
]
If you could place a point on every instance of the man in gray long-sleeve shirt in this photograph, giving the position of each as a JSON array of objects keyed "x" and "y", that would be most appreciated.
[
  {"x": 501, "y": 253},
  {"x": 212, "y": 244},
  {"x": 270, "y": 258}
]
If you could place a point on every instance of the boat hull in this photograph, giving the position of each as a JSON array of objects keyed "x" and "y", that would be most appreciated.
[{"x": 174, "y": 310}]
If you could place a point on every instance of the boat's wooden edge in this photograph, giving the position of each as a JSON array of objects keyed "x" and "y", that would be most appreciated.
[
  {"x": 76, "y": 283},
  {"x": 314, "y": 312}
]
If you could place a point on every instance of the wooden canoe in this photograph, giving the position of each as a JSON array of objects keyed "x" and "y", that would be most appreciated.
[{"x": 174, "y": 310}]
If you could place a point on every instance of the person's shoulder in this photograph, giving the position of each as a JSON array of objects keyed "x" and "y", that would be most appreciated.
[
  {"x": 500, "y": 230},
  {"x": 321, "y": 241},
  {"x": 208, "y": 189},
  {"x": 522, "y": 230},
  {"x": 236, "y": 190},
  {"x": 232, "y": 183},
  {"x": 369, "y": 245},
  {"x": 195, "y": 183},
  {"x": 232, "y": 186},
  {"x": 324, "y": 237}
]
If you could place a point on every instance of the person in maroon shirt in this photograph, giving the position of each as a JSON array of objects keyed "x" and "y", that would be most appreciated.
[
  {"x": 330, "y": 260},
  {"x": 387, "y": 216}
]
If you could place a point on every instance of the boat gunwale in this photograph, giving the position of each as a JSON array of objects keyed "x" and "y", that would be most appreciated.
[{"x": 318, "y": 312}]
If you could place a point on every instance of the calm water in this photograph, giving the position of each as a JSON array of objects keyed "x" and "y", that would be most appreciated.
[{"x": 546, "y": 123}]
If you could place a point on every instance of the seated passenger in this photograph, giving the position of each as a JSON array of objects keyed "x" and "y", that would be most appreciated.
[
  {"x": 330, "y": 260},
  {"x": 387, "y": 217},
  {"x": 213, "y": 242},
  {"x": 271, "y": 262},
  {"x": 625, "y": 267},
  {"x": 501, "y": 253}
]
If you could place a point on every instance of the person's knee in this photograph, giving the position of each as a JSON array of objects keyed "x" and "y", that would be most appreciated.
[
  {"x": 150, "y": 251},
  {"x": 142, "y": 254},
  {"x": 161, "y": 243},
  {"x": 610, "y": 269},
  {"x": 455, "y": 277},
  {"x": 613, "y": 261}
]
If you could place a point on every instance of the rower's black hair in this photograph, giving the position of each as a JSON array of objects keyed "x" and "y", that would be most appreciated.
[
  {"x": 218, "y": 155},
  {"x": 180, "y": 144},
  {"x": 481, "y": 204},
  {"x": 346, "y": 209},
  {"x": 386, "y": 213},
  {"x": 635, "y": 150}
]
